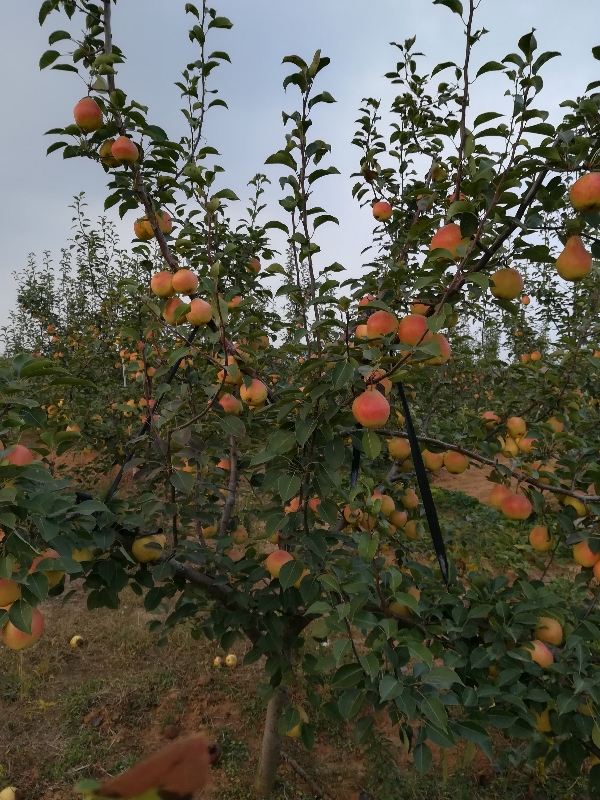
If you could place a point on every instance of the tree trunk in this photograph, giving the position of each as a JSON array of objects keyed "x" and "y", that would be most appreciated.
[{"x": 264, "y": 782}]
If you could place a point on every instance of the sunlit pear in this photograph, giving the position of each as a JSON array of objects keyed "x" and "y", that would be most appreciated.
[
  {"x": 449, "y": 238},
  {"x": 516, "y": 427},
  {"x": 382, "y": 211},
  {"x": 371, "y": 409},
  {"x": 455, "y": 463},
  {"x": 381, "y": 323},
  {"x": 185, "y": 281},
  {"x": 584, "y": 555},
  {"x": 88, "y": 115},
  {"x": 125, "y": 151},
  {"x": 540, "y": 539},
  {"x": 506, "y": 283},
  {"x": 575, "y": 262},
  {"x": 516, "y": 507},
  {"x": 399, "y": 448},
  {"x": 15, "y": 639},
  {"x": 585, "y": 193},
  {"x": 412, "y": 329}
]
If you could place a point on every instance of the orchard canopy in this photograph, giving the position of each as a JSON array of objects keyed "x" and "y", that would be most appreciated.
[{"x": 276, "y": 422}]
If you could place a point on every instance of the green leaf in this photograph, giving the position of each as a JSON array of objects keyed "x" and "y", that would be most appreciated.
[
  {"x": 491, "y": 66},
  {"x": 482, "y": 118},
  {"x": 282, "y": 157},
  {"x": 435, "y": 711},
  {"x": 233, "y": 427},
  {"x": 341, "y": 374},
  {"x": 290, "y": 573},
  {"x": 304, "y": 429},
  {"x": 363, "y": 730},
  {"x": 371, "y": 444},
  {"x": 453, "y": 5},
  {"x": 21, "y": 615},
  {"x": 596, "y": 52},
  {"x": 49, "y": 57},
  {"x": 226, "y": 194},
  {"x": 58, "y": 36},
  {"x": 220, "y": 22},
  {"x": 183, "y": 481},
  {"x": 288, "y": 486},
  {"x": 347, "y": 676},
  {"x": 351, "y": 702},
  {"x": 422, "y": 755},
  {"x": 389, "y": 688},
  {"x": 419, "y": 651}
]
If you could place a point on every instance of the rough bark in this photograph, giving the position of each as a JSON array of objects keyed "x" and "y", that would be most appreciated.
[{"x": 270, "y": 751}]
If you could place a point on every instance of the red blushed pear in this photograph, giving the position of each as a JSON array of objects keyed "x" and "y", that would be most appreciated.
[
  {"x": 540, "y": 653},
  {"x": 162, "y": 284},
  {"x": 371, "y": 409},
  {"x": 200, "y": 312},
  {"x": 584, "y": 555},
  {"x": 536, "y": 355},
  {"x": 224, "y": 464},
  {"x": 497, "y": 495},
  {"x": 516, "y": 506},
  {"x": 387, "y": 503},
  {"x": 125, "y": 151},
  {"x": 412, "y": 328},
  {"x": 575, "y": 262},
  {"x": 399, "y": 448},
  {"x": 365, "y": 300},
  {"x": 105, "y": 153},
  {"x": 234, "y": 302},
  {"x": 540, "y": 539},
  {"x": 419, "y": 308},
  {"x": 20, "y": 456},
  {"x": 382, "y": 211},
  {"x": 491, "y": 419},
  {"x": 165, "y": 223},
  {"x": 10, "y": 591},
  {"x": 549, "y": 631},
  {"x": 385, "y": 383},
  {"x": 449, "y": 238},
  {"x": 234, "y": 379},
  {"x": 527, "y": 445},
  {"x": 254, "y": 265},
  {"x": 398, "y": 518},
  {"x": 170, "y": 308},
  {"x": 556, "y": 424},
  {"x": 231, "y": 405},
  {"x": 585, "y": 193},
  {"x": 525, "y": 300},
  {"x": 381, "y": 323},
  {"x": 507, "y": 283},
  {"x": 361, "y": 332},
  {"x": 255, "y": 394},
  {"x": 525, "y": 358},
  {"x": 352, "y": 517},
  {"x": 433, "y": 461},
  {"x": 17, "y": 640},
  {"x": 185, "y": 281},
  {"x": 409, "y": 499},
  {"x": 179, "y": 770},
  {"x": 276, "y": 560},
  {"x": 455, "y": 463},
  {"x": 88, "y": 115},
  {"x": 445, "y": 351}
]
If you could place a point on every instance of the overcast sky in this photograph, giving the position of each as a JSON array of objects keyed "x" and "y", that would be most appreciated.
[{"x": 355, "y": 34}]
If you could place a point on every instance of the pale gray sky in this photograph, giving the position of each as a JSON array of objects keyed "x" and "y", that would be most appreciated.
[{"x": 355, "y": 34}]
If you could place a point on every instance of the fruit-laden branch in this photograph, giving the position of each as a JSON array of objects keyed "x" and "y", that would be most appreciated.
[
  {"x": 231, "y": 489},
  {"x": 519, "y": 476}
]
